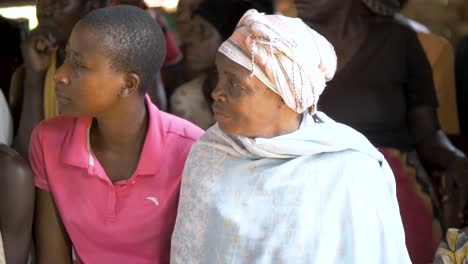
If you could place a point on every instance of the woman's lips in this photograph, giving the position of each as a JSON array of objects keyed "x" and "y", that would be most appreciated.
[
  {"x": 60, "y": 97},
  {"x": 218, "y": 111}
]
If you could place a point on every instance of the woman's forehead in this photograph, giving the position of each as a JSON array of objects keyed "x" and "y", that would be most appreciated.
[
  {"x": 224, "y": 64},
  {"x": 86, "y": 43},
  {"x": 85, "y": 35}
]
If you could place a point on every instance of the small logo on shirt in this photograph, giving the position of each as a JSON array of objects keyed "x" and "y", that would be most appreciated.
[{"x": 153, "y": 199}]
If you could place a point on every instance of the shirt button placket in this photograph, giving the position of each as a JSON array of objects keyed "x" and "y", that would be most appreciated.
[{"x": 111, "y": 204}]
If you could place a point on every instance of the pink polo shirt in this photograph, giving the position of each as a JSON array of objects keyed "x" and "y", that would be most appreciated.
[{"x": 129, "y": 221}]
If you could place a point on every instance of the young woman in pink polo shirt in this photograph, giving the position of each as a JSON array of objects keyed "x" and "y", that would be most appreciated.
[{"x": 108, "y": 169}]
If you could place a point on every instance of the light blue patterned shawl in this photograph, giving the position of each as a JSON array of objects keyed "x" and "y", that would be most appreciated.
[{"x": 322, "y": 194}]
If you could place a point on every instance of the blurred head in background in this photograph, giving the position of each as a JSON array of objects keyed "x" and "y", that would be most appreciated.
[
  {"x": 208, "y": 25},
  {"x": 286, "y": 8},
  {"x": 59, "y": 17}
]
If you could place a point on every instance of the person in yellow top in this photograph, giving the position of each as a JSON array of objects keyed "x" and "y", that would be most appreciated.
[{"x": 439, "y": 52}]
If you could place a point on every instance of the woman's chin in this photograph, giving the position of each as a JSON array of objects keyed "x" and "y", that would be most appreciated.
[
  {"x": 225, "y": 126},
  {"x": 69, "y": 112}
]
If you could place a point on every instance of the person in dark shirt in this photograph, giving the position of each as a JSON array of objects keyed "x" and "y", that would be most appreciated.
[
  {"x": 13, "y": 32},
  {"x": 461, "y": 78},
  {"x": 10, "y": 52},
  {"x": 384, "y": 89}
]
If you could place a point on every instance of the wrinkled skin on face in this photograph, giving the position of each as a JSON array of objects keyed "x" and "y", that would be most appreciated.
[{"x": 244, "y": 106}]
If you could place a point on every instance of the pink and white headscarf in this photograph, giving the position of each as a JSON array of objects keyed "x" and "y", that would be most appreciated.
[{"x": 285, "y": 54}]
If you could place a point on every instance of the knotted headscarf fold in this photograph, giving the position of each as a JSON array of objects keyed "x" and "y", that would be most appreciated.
[{"x": 285, "y": 54}]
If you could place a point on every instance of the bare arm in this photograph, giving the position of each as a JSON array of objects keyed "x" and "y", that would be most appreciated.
[
  {"x": 31, "y": 110},
  {"x": 17, "y": 206},
  {"x": 438, "y": 154},
  {"x": 52, "y": 242},
  {"x": 433, "y": 146},
  {"x": 51, "y": 239},
  {"x": 36, "y": 50}
]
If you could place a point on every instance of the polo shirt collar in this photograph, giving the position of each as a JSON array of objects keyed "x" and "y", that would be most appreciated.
[
  {"x": 153, "y": 148},
  {"x": 76, "y": 150}
]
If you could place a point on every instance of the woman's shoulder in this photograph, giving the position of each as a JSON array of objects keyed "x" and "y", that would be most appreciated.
[
  {"x": 11, "y": 159},
  {"x": 360, "y": 159},
  {"x": 181, "y": 128},
  {"x": 391, "y": 27},
  {"x": 57, "y": 123},
  {"x": 56, "y": 127}
]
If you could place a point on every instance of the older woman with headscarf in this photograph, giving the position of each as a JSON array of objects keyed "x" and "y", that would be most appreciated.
[
  {"x": 384, "y": 89},
  {"x": 276, "y": 181}
]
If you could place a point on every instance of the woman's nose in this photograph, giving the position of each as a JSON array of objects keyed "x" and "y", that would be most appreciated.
[
  {"x": 218, "y": 93},
  {"x": 61, "y": 76}
]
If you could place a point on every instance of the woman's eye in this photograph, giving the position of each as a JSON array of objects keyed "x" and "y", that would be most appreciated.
[
  {"x": 77, "y": 64},
  {"x": 235, "y": 85},
  {"x": 67, "y": 55}
]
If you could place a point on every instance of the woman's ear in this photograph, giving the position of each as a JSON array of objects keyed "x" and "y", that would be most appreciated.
[
  {"x": 281, "y": 102},
  {"x": 131, "y": 85}
]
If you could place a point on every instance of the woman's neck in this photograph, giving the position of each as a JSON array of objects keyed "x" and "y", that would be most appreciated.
[
  {"x": 290, "y": 122},
  {"x": 124, "y": 128},
  {"x": 346, "y": 29},
  {"x": 342, "y": 24}
]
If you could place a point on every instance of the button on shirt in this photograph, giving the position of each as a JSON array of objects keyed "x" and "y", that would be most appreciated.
[{"x": 129, "y": 221}]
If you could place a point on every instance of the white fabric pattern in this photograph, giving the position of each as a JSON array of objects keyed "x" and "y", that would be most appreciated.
[{"x": 322, "y": 194}]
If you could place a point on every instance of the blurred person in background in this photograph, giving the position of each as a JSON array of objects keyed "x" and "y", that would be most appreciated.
[
  {"x": 440, "y": 54},
  {"x": 384, "y": 88},
  {"x": 16, "y": 179},
  {"x": 446, "y": 18},
  {"x": 12, "y": 65},
  {"x": 184, "y": 24},
  {"x": 12, "y": 32},
  {"x": 212, "y": 22},
  {"x": 6, "y": 121},
  {"x": 461, "y": 75},
  {"x": 286, "y": 8}
]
